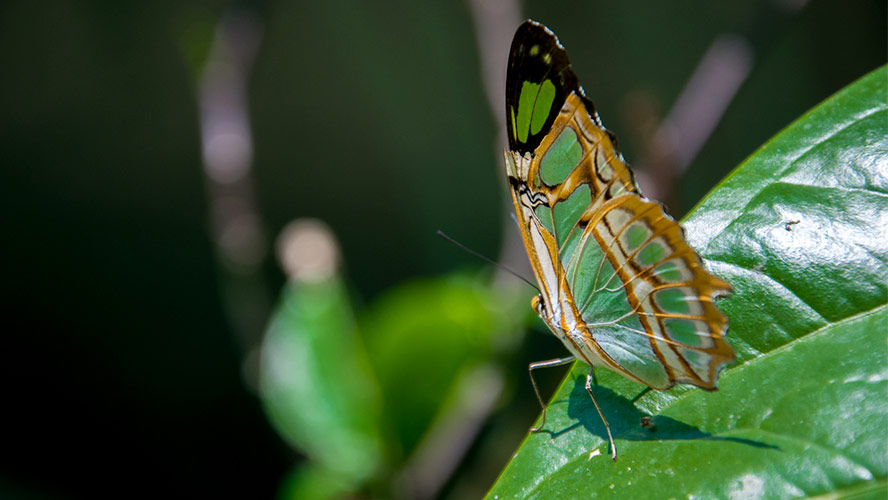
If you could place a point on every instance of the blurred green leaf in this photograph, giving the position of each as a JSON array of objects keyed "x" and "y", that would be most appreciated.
[
  {"x": 421, "y": 337},
  {"x": 309, "y": 481},
  {"x": 315, "y": 382},
  {"x": 799, "y": 230}
]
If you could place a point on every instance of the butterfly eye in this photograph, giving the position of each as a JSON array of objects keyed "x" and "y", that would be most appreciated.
[{"x": 537, "y": 304}]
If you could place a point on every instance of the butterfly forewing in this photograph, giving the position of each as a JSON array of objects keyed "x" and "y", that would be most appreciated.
[
  {"x": 620, "y": 285},
  {"x": 538, "y": 81}
]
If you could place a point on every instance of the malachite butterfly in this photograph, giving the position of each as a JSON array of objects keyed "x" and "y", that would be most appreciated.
[{"x": 619, "y": 285}]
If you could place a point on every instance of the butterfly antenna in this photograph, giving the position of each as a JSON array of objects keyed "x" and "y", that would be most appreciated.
[{"x": 487, "y": 259}]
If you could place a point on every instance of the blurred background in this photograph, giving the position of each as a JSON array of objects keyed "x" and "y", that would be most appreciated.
[{"x": 169, "y": 329}]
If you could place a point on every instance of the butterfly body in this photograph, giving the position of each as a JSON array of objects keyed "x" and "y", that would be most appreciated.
[{"x": 619, "y": 285}]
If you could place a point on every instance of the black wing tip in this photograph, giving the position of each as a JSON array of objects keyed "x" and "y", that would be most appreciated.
[
  {"x": 527, "y": 34},
  {"x": 530, "y": 30},
  {"x": 530, "y": 26},
  {"x": 533, "y": 30},
  {"x": 523, "y": 66}
]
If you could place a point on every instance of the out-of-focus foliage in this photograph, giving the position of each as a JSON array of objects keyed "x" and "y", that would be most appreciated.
[
  {"x": 426, "y": 342},
  {"x": 422, "y": 337},
  {"x": 316, "y": 384}
]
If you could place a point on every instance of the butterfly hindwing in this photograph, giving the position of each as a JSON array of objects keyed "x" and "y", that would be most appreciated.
[{"x": 619, "y": 284}]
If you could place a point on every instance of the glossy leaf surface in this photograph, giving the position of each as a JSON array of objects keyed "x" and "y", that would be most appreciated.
[{"x": 799, "y": 231}]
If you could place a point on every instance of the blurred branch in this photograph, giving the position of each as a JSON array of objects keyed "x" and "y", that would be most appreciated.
[
  {"x": 696, "y": 113},
  {"x": 724, "y": 67},
  {"x": 495, "y": 22},
  {"x": 227, "y": 148},
  {"x": 451, "y": 435}
]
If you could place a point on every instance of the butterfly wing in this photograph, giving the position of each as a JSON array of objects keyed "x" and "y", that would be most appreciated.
[
  {"x": 539, "y": 79},
  {"x": 620, "y": 285}
]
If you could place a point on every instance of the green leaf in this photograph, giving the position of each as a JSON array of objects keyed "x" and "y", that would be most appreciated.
[
  {"x": 422, "y": 337},
  {"x": 316, "y": 384},
  {"x": 799, "y": 229},
  {"x": 308, "y": 481}
]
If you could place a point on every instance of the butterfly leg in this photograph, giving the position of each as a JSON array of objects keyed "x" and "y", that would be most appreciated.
[
  {"x": 544, "y": 364},
  {"x": 640, "y": 394},
  {"x": 610, "y": 438}
]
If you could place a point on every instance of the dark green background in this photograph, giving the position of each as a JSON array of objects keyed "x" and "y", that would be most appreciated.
[{"x": 121, "y": 374}]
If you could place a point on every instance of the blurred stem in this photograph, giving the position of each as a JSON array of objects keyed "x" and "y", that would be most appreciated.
[
  {"x": 695, "y": 114},
  {"x": 495, "y": 22},
  {"x": 705, "y": 98},
  {"x": 451, "y": 434},
  {"x": 227, "y": 148}
]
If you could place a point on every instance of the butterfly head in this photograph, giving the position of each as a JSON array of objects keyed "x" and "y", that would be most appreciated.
[{"x": 539, "y": 305}]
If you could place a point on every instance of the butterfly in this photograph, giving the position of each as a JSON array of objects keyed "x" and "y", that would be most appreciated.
[{"x": 619, "y": 285}]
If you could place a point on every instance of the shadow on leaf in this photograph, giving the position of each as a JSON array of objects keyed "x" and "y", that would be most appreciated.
[{"x": 628, "y": 423}]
